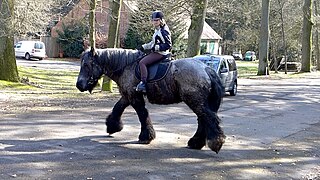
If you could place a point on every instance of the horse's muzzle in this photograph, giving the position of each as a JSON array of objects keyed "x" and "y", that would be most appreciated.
[{"x": 81, "y": 86}]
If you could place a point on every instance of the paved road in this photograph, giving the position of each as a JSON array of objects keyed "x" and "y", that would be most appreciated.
[
  {"x": 272, "y": 128},
  {"x": 48, "y": 64}
]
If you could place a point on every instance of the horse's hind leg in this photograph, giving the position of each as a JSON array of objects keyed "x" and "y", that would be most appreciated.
[
  {"x": 215, "y": 135},
  {"x": 113, "y": 121},
  {"x": 147, "y": 133},
  {"x": 208, "y": 129},
  {"x": 199, "y": 138}
]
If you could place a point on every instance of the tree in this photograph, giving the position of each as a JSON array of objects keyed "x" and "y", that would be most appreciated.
[
  {"x": 113, "y": 35},
  {"x": 264, "y": 39},
  {"x": 8, "y": 66},
  {"x": 306, "y": 36},
  {"x": 92, "y": 18},
  {"x": 71, "y": 38},
  {"x": 237, "y": 22},
  {"x": 33, "y": 17},
  {"x": 196, "y": 27},
  {"x": 114, "y": 23},
  {"x": 317, "y": 48},
  {"x": 281, "y": 5},
  {"x": 175, "y": 14}
]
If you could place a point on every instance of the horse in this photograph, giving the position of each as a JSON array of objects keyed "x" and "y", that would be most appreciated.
[{"x": 186, "y": 80}]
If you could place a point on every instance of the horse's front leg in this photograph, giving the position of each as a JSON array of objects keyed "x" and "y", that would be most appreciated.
[
  {"x": 113, "y": 121},
  {"x": 147, "y": 133}
]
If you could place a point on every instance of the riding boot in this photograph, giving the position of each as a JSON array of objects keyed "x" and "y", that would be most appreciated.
[{"x": 141, "y": 87}]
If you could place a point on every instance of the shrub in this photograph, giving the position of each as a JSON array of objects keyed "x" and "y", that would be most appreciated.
[{"x": 71, "y": 38}]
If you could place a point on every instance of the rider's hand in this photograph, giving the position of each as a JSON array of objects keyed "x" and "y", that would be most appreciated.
[
  {"x": 153, "y": 48},
  {"x": 140, "y": 48}
]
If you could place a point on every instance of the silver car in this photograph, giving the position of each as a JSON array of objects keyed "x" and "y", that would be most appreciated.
[{"x": 226, "y": 67}]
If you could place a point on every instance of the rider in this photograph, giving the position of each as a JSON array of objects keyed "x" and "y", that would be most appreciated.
[{"x": 159, "y": 46}]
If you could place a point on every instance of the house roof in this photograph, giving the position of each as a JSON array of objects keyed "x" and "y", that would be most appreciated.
[{"x": 207, "y": 34}]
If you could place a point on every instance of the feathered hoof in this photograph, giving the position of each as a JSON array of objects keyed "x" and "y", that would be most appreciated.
[
  {"x": 216, "y": 144},
  {"x": 113, "y": 125},
  {"x": 144, "y": 142},
  {"x": 196, "y": 143},
  {"x": 147, "y": 135}
]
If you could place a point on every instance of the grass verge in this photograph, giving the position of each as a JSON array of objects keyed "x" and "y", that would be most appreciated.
[{"x": 249, "y": 70}]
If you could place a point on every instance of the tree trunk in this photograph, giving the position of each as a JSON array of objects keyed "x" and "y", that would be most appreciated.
[
  {"x": 264, "y": 39},
  {"x": 275, "y": 62},
  {"x": 92, "y": 18},
  {"x": 317, "y": 50},
  {"x": 114, "y": 23},
  {"x": 8, "y": 66},
  {"x": 284, "y": 44},
  {"x": 306, "y": 36},
  {"x": 113, "y": 35},
  {"x": 196, "y": 27}
]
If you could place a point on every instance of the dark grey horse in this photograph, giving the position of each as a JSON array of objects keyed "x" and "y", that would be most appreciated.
[{"x": 187, "y": 80}]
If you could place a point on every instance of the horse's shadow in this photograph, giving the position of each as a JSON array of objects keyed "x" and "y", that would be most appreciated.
[
  {"x": 91, "y": 148},
  {"x": 107, "y": 156}
]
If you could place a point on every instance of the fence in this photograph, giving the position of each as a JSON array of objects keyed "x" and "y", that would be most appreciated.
[{"x": 52, "y": 46}]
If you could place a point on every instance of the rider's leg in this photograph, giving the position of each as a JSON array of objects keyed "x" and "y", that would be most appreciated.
[{"x": 147, "y": 60}]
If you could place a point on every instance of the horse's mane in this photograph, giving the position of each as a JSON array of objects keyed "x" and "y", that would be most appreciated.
[{"x": 117, "y": 58}]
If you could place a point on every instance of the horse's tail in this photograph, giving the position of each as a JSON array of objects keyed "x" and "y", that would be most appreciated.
[{"x": 217, "y": 90}]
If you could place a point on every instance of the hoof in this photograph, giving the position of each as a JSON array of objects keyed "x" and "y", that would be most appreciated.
[
  {"x": 196, "y": 143},
  {"x": 216, "y": 144},
  {"x": 113, "y": 125},
  {"x": 147, "y": 135},
  {"x": 144, "y": 142}
]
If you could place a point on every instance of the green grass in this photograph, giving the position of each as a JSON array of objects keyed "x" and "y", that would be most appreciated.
[
  {"x": 63, "y": 81},
  {"x": 33, "y": 79},
  {"x": 50, "y": 79},
  {"x": 14, "y": 85},
  {"x": 247, "y": 69}
]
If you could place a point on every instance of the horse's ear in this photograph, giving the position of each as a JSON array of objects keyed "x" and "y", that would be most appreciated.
[{"x": 93, "y": 51}]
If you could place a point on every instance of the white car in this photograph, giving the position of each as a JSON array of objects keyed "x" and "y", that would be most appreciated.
[{"x": 30, "y": 49}]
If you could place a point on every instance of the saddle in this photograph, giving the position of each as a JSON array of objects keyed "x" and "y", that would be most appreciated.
[{"x": 156, "y": 71}]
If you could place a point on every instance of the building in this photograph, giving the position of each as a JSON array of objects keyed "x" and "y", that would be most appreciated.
[{"x": 209, "y": 39}]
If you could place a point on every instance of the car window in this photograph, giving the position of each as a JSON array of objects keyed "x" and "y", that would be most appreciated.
[
  {"x": 216, "y": 62},
  {"x": 223, "y": 65},
  {"x": 18, "y": 45},
  {"x": 232, "y": 64},
  {"x": 38, "y": 46}
]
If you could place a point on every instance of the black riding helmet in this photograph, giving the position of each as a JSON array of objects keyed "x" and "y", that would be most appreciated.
[{"x": 157, "y": 14}]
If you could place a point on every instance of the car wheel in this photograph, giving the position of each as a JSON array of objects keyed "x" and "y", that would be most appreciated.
[
  {"x": 27, "y": 56},
  {"x": 234, "y": 89}
]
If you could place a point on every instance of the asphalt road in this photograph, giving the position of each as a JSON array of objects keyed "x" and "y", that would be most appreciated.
[
  {"x": 48, "y": 64},
  {"x": 272, "y": 128}
]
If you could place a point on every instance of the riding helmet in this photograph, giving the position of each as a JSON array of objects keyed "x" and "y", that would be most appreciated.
[{"x": 157, "y": 14}]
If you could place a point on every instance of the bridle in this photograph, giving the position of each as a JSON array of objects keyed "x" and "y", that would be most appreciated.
[{"x": 92, "y": 63}]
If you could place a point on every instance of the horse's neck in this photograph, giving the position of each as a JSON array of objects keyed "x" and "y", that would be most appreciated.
[{"x": 114, "y": 61}]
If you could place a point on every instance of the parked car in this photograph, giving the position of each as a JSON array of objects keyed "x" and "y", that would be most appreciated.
[
  {"x": 226, "y": 67},
  {"x": 30, "y": 49},
  {"x": 250, "y": 56},
  {"x": 237, "y": 56}
]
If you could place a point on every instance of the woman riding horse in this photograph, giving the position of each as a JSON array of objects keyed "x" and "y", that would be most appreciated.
[
  {"x": 187, "y": 80},
  {"x": 160, "y": 45}
]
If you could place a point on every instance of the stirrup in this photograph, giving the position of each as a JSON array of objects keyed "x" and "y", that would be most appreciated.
[{"x": 141, "y": 87}]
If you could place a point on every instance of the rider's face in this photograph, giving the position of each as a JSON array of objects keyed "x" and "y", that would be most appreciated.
[{"x": 156, "y": 22}]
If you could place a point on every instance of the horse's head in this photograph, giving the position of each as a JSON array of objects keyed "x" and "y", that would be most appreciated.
[{"x": 90, "y": 71}]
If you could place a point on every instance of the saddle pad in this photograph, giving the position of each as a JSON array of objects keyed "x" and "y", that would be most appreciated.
[{"x": 155, "y": 71}]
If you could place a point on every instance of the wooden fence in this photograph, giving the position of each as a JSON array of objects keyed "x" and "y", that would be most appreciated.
[{"x": 52, "y": 46}]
